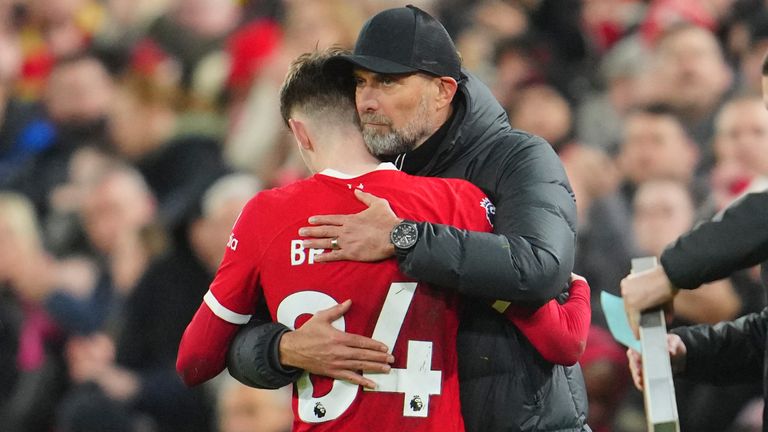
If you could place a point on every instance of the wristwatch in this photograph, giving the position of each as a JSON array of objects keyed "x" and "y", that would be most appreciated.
[{"x": 404, "y": 236}]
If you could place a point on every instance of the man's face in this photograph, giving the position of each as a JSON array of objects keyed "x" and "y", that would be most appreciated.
[
  {"x": 655, "y": 146},
  {"x": 693, "y": 67},
  {"x": 395, "y": 110},
  {"x": 663, "y": 211},
  {"x": 743, "y": 127}
]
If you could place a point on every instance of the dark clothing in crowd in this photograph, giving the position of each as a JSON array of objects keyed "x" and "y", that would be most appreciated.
[
  {"x": 39, "y": 175},
  {"x": 32, "y": 372},
  {"x": 179, "y": 172},
  {"x": 150, "y": 324},
  {"x": 23, "y": 134},
  {"x": 505, "y": 384},
  {"x": 156, "y": 313}
]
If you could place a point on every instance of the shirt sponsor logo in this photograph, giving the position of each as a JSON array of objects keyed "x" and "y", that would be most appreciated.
[{"x": 232, "y": 243}]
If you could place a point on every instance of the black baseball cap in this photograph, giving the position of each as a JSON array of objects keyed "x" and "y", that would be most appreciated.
[{"x": 404, "y": 40}]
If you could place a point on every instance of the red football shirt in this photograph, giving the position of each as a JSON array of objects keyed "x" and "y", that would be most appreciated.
[{"x": 265, "y": 258}]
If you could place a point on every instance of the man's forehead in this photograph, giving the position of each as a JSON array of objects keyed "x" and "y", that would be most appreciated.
[{"x": 362, "y": 72}]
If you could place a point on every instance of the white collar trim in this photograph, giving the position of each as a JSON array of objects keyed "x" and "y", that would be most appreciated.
[{"x": 384, "y": 166}]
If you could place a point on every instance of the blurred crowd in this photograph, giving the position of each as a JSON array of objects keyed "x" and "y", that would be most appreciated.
[{"x": 133, "y": 131}]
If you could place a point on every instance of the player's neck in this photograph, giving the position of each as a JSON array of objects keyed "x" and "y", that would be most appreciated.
[{"x": 348, "y": 155}]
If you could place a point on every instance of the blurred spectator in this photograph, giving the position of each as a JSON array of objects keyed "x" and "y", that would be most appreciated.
[
  {"x": 177, "y": 166},
  {"x": 515, "y": 66},
  {"x": 751, "y": 60},
  {"x": 606, "y": 376},
  {"x": 248, "y": 409},
  {"x": 32, "y": 374},
  {"x": 137, "y": 370},
  {"x": 116, "y": 210},
  {"x": 543, "y": 111},
  {"x": 656, "y": 145},
  {"x": 52, "y": 30},
  {"x": 742, "y": 148},
  {"x": 192, "y": 32},
  {"x": 23, "y": 133},
  {"x": 77, "y": 98},
  {"x": 625, "y": 72},
  {"x": 690, "y": 75},
  {"x": 258, "y": 141}
]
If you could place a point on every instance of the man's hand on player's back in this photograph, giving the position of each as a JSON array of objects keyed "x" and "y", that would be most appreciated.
[{"x": 320, "y": 349}]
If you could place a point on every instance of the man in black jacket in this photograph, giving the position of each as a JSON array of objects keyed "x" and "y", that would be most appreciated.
[
  {"x": 505, "y": 384},
  {"x": 729, "y": 352}
]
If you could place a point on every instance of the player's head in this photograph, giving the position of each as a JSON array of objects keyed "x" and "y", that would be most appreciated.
[
  {"x": 317, "y": 103},
  {"x": 406, "y": 70},
  {"x": 312, "y": 91}
]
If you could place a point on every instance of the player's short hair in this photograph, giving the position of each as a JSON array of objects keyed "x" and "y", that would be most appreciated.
[{"x": 317, "y": 90}]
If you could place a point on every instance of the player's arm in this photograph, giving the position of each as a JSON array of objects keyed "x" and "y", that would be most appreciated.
[
  {"x": 557, "y": 331},
  {"x": 204, "y": 346},
  {"x": 228, "y": 304}
]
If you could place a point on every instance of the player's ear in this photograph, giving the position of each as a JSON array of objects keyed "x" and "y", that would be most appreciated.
[{"x": 299, "y": 130}]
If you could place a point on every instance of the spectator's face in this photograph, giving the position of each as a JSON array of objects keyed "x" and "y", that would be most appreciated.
[
  {"x": 207, "y": 18},
  {"x": 543, "y": 112},
  {"x": 12, "y": 249},
  {"x": 210, "y": 234},
  {"x": 10, "y": 58},
  {"x": 742, "y": 127},
  {"x": 656, "y": 146},
  {"x": 395, "y": 110},
  {"x": 692, "y": 69},
  {"x": 663, "y": 211},
  {"x": 245, "y": 409},
  {"x": 79, "y": 92},
  {"x": 116, "y": 210}
]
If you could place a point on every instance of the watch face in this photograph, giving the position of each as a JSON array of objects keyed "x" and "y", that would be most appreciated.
[{"x": 405, "y": 235}]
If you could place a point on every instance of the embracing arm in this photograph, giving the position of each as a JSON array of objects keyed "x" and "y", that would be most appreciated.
[
  {"x": 529, "y": 257},
  {"x": 715, "y": 249}
]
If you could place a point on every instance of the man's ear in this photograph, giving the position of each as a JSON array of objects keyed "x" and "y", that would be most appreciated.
[
  {"x": 447, "y": 88},
  {"x": 299, "y": 130}
]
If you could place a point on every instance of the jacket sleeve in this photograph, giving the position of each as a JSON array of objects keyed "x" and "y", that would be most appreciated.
[
  {"x": 726, "y": 353},
  {"x": 529, "y": 257},
  {"x": 715, "y": 249}
]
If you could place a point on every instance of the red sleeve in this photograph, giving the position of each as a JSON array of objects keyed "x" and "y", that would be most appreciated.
[
  {"x": 558, "y": 332},
  {"x": 229, "y": 303},
  {"x": 203, "y": 348}
]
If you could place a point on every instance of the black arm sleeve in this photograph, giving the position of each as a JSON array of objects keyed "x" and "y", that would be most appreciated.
[
  {"x": 715, "y": 249},
  {"x": 726, "y": 353},
  {"x": 529, "y": 257},
  {"x": 253, "y": 357}
]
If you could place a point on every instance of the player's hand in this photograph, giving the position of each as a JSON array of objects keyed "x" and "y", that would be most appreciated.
[
  {"x": 644, "y": 290},
  {"x": 360, "y": 237},
  {"x": 677, "y": 353},
  {"x": 321, "y": 349}
]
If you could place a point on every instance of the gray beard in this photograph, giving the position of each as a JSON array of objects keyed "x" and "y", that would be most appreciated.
[
  {"x": 399, "y": 141},
  {"x": 388, "y": 144}
]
